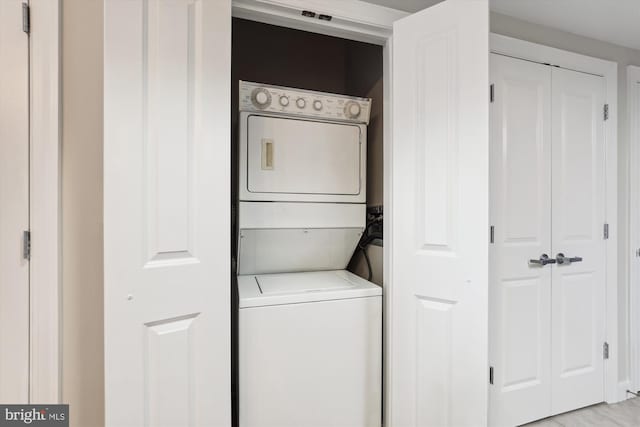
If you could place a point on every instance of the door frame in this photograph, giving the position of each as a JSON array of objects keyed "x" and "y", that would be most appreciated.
[
  {"x": 369, "y": 23},
  {"x": 44, "y": 200},
  {"x": 633, "y": 288},
  {"x": 613, "y": 390}
]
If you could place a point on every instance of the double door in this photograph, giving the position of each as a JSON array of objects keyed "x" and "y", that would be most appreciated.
[{"x": 547, "y": 257}]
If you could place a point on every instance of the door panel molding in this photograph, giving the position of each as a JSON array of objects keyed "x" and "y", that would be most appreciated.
[{"x": 544, "y": 54}]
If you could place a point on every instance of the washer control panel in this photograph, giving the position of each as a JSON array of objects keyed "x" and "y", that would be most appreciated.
[{"x": 277, "y": 99}]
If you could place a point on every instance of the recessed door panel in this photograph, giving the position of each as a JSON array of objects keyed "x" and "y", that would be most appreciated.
[
  {"x": 523, "y": 299},
  {"x": 579, "y": 292},
  {"x": 169, "y": 373},
  {"x": 575, "y": 326},
  {"x": 520, "y": 291},
  {"x": 290, "y": 156}
]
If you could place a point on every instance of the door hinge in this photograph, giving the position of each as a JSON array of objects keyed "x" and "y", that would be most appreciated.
[
  {"x": 491, "y": 93},
  {"x": 26, "y": 244},
  {"x": 606, "y": 111},
  {"x": 638, "y": 252},
  {"x": 490, "y": 374},
  {"x": 605, "y": 350},
  {"x": 26, "y": 18},
  {"x": 606, "y": 231},
  {"x": 492, "y": 234}
]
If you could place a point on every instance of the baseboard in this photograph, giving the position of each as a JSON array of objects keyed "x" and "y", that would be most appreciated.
[{"x": 623, "y": 386}]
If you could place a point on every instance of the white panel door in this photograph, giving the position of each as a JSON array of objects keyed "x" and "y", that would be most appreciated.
[
  {"x": 167, "y": 231},
  {"x": 578, "y": 291},
  {"x": 520, "y": 291},
  {"x": 440, "y": 192},
  {"x": 14, "y": 204}
]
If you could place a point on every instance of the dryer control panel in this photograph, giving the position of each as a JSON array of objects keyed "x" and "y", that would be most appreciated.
[{"x": 307, "y": 103}]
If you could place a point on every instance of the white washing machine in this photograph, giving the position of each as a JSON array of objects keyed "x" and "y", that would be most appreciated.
[
  {"x": 310, "y": 332},
  {"x": 310, "y": 348}
]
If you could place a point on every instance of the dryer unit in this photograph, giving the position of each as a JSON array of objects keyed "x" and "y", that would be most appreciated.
[
  {"x": 302, "y": 146},
  {"x": 310, "y": 341}
]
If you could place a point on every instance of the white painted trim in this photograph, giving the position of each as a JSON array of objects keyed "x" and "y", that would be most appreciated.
[
  {"x": 45, "y": 201},
  {"x": 387, "y": 257},
  {"x": 609, "y": 70},
  {"x": 549, "y": 55},
  {"x": 633, "y": 100},
  {"x": 351, "y": 19},
  {"x": 623, "y": 394}
]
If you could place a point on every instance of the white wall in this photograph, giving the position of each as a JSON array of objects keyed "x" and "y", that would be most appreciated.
[
  {"x": 516, "y": 28},
  {"x": 82, "y": 255}
]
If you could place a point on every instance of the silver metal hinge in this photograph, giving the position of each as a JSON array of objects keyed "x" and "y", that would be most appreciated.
[
  {"x": 605, "y": 350},
  {"x": 606, "y": 111},
  {"x": 26, "y": 244},
  {"x": 490, "y": 374},
  {"x": 492, "y": 234},
  {"x": 491, "y": 93},
  {"x": 606, "y": 231},
  {"x": 26, "y": 19}
]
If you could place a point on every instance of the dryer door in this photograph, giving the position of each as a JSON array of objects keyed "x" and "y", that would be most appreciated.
[{"x": 302, "y": 160}]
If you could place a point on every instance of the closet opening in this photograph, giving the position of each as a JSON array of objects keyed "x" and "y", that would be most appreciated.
[{"x": 276, "y": 56}]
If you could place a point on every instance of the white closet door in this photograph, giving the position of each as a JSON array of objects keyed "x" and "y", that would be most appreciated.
[
  {"x": 440, "y": 192},
  {"x": 14, "y": 204},
  {"x": 578, "y": 291},
  {"x": 520, "y": 291},
  {"x": 166, "y": 217}
]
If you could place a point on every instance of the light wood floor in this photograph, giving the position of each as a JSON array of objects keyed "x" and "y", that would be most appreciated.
[{"x": 623, "y": 414}]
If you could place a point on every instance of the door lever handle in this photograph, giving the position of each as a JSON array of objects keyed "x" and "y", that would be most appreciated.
[
  {"x": 543, "y": 260},
  {"x": 561, "y": 259}
]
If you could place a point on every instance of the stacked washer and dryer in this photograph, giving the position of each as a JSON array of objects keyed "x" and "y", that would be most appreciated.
[{"x": 310, "y": 332}]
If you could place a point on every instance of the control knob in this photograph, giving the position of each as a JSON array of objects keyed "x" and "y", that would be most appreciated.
[
  {"x": 352, "y": 109},
  {"x": 284, "y": 100},
  {"x": 317, "y": 105},
  {"x": 301, "y": 103},
  {"x": 261, "y": 98}
]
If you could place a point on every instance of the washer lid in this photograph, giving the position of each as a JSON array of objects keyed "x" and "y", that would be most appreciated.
[
  {"x": 278, "y": 284},
  {"x": 292, "y": 288}
]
